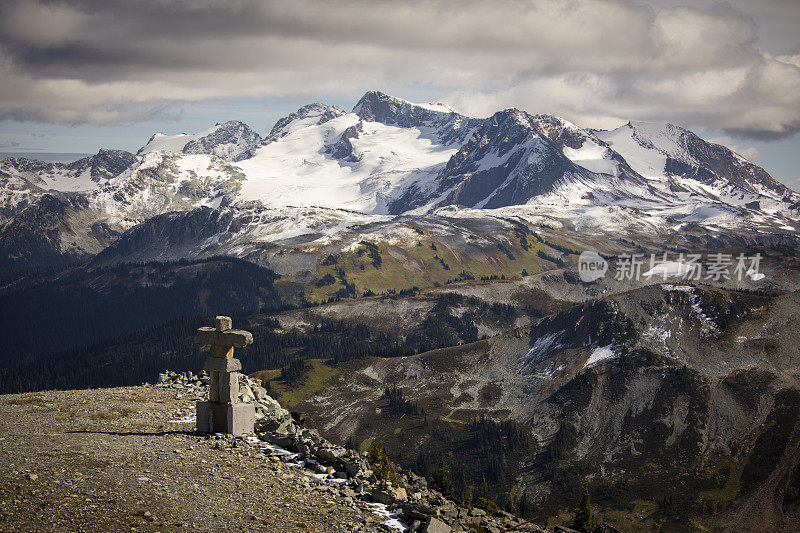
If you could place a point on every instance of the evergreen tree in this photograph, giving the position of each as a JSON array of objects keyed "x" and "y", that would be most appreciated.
[
  {"x": 583, "y": 517},
  {"x": 380, "y": 464},
  {"x": 441, "y": 481}
]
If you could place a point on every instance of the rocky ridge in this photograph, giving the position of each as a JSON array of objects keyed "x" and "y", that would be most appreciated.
[
  {"x": 232, "y": 140},
  {"x": 101, "y": 167},
  {"x": 315, "y": 113},
  {"x": 408, "y": 502},
  {"x": 439, "y": 121}
]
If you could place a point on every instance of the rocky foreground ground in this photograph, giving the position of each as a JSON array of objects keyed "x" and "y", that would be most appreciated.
[{"x": 128, "y": 459}]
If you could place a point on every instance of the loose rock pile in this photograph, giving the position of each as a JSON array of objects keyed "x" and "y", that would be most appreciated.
[
  {"x": 184, "y": 381},
  {"x": 409, "y": 503}
]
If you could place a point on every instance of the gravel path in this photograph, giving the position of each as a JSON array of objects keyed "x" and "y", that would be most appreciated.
[{"x": 127, "y": 459}]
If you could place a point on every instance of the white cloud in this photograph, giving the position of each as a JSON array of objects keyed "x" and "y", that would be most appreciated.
[
  {"x": 793, "y": 59},
  {"x": 596, "y": 62}
]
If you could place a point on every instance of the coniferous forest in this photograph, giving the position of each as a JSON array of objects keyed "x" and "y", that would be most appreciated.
[{"x": 90, "y": 336}]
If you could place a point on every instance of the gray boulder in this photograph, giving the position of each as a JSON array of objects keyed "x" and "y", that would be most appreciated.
[{"x": 435, "y": 525}]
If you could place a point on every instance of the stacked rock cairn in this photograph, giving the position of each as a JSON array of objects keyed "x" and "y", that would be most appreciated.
[{"x": 223, "y": 413}]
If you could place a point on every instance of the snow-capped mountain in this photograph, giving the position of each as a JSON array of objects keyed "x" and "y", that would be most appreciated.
[
  {"x": 511, "y": 159},
  {"x": 657, "y": 150},
  {"x": 84, "y": 174},
  {"x": 436, "y": 121},
  {"x": 161, "y": 182},
  {"x": 390, "y": 157},
  {"x": 647, "y": 176},
  {"x": 42, "y": 224},
  {"x": 24, "y": 182},
  {"x": 308, "y": 115},
  {"x": 321, "y": 156},
  {"x": 232, "y": 140}
]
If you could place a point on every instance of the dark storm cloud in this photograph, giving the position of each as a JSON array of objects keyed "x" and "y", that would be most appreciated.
[
  {"x": 594, "y": 61},
  {"x": 96, "y": 114},
  {"x": 788, "y": 130},
  {"x": 62, "y": 59}
]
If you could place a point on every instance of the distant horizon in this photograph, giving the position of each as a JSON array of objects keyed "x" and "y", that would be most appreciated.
[{"x": 50, "y": 157}]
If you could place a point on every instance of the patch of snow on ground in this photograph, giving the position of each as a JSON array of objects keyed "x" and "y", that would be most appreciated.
[
  {"x": 592, "y": 156},
  {"x": 548, "y": 372},
  {"x": 681, "y": 288},
  {"x": 275, "y": 225},
  {"x": 82, "y": 182},
  {"x": 271, "y": 447},
  {"x": 660, "y": 334},
  {"x": 601, "y": 353},
  {"x": 542, "y": 346},
  {"x": 393, "y": 521},
  {"x": 668, "y": 269},
  {"x": 707, "y": 325}
]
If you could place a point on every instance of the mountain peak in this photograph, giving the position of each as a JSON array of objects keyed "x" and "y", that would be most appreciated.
[
  {"x": 372, "y": 98},
  {"x": 233, "y": 140},
  {"x": 653, "y": 125},
  {"x": 318, "y": 109},
  {"x": 376, "y": 106},
  {"x": 308, "y": 115},
  {"x": 661, "y": 148},
  {"x": 513, "y": 113},
  {"x": 439, "y": 121}
]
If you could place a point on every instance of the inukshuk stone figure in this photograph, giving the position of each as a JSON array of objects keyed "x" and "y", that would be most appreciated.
[{"x": 223, "y": 413}]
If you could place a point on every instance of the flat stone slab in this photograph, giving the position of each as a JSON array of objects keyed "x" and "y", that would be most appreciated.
[
  {"x": 223, "y": 323},
  {"x": 219, "y": 364},
  {"x": 232, "y": 337},
  {"x": 238, "y": 419}
]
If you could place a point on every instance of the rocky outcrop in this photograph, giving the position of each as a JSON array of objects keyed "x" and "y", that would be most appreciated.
[
  {"x": 101, "y": 167},
  {"x": 315, "y": 113},
  {"x": 407, "y": 498},
  {"x": 106, "y": 164},
  {"x": 343, "y": 149},
  {"x": 505, "y": 162},
  {"x": 446, "y": 125},
  {"x": 232, "y": 140}
]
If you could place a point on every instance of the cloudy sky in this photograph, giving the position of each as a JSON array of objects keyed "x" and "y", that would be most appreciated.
[{"x": 83, "y": 74}]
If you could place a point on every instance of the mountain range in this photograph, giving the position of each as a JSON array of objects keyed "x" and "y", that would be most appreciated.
[{"x": 322, "y": 167}]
